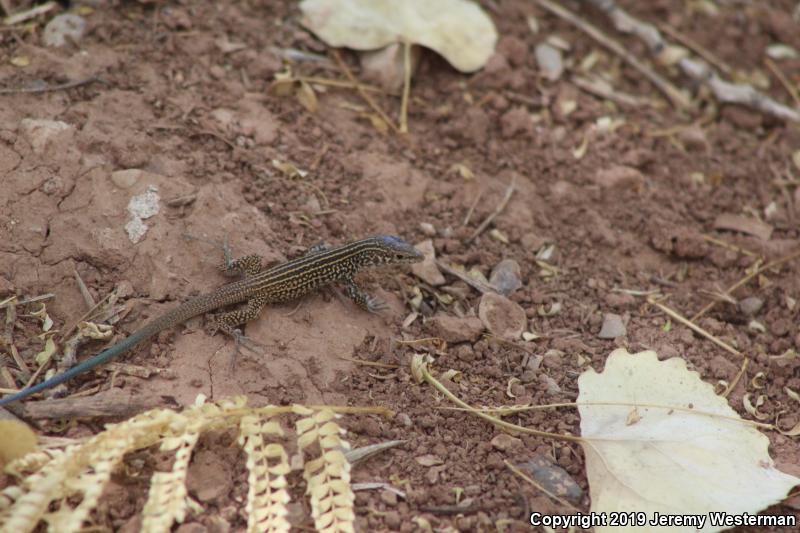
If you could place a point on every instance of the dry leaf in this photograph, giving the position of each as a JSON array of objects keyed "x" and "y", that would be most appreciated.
[
  {"x": 20, "y": 61},
  {"x": 750, "y": 226},
  {"x": 457, "y": 29},
  {"x": 672, "y": 460},
  {"x": 307, "y": 97},
  {"x": 18, "y": 440}
]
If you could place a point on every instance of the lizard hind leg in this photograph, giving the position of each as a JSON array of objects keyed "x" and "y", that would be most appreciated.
[{"x": 231, "y": 321}]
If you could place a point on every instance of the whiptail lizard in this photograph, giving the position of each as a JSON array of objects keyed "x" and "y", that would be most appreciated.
[{"x": 259, "y": 286}]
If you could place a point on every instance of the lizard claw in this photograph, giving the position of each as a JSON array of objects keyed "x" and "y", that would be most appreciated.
[
  {"x": 376, "y": 305},
  {"x": 241, "y": 341}
]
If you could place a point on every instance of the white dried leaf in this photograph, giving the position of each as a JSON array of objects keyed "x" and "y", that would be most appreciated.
[
  {"x": 781, "y": 51},
  {"x": 457, "y": 29},
  {"x": 682, "y": 458}
]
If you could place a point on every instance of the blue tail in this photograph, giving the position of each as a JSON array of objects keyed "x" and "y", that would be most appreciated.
[{"x": 85, "y": 366}]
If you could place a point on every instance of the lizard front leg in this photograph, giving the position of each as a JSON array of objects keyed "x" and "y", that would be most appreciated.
[{"x": 362, "y": 299}]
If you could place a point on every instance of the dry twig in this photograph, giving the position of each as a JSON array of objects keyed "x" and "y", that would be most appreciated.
[
  {"x": 493, "y": 214},
  {"x": 678, "y": 98},
  {"x": 51, "y": 88},
  {"x": 698, "y": 70},
  {"x": 364, "y": 94}
]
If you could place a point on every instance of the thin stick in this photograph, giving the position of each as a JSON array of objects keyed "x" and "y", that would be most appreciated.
[
  {"x": 472, "y": 208},
  {"x": 87, "y": 296},
  {"x": 344, "y": 84},
  {"x": 367, "y": 98},
  {"x": 475, "y": 284},
  {"x": 782, "y": 78},
  {"x": 674, "y": 95},
  {"x": 603, "y": 89},
  {"x": 747, "y": 278},
  {"x": 738, "y": 377},
  {"x": 527, "y": 478},
  {"x": 406, "y": 86},
  {"x": 720, "y": 242},
  {"x": 52, "y": 88},
  {"x": 686, "y": 322},
  {"x": 719, "y": 342},
  {"x": 22, "y": 16},
  {"x": 697, "y": 69},
  {"x": 695, "y": 47},
  {"x": 427, "y": 376},
  {"x": 497, "y": 211}
]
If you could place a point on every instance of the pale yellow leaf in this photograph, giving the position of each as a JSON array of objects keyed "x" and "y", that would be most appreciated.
[
  {"x": 459, "y": 30},
  {"x": 690, "y": 455}
]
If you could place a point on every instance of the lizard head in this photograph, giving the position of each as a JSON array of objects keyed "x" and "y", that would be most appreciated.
[{"x": 391, "y": 250}]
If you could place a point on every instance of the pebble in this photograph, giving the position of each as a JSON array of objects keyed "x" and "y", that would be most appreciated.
[
  {"x": 428, "y": 229},
  {"x": 613, "y": 327},
  {"x": 388, "y": 497},
  {"x": 505, "y": 276},
  {"x": 504, "y": 441},
  {"x": 552, "y": 477},
  {"x": 515, "y": 122},
  {"x": 63, "y": 28},
  {"x": 550, "y": 384},
  {"x": 550, "y": 61},
  {"x": 125, "y": 179},
  {"x": 454, "y": 329},
  {"x": 751, "y": 305},
  {"x": 426, "y": 270},
  {"x": 501, "y": 316},
  {"x": 618, "y": 176},
  {"x": 41, "y": 132}
]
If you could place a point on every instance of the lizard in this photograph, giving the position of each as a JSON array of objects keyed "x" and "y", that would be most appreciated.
[{"x": 321, "y": 266}]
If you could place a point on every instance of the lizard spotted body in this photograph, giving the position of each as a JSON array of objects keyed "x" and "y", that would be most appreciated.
[{"x": 259, "y": 286}]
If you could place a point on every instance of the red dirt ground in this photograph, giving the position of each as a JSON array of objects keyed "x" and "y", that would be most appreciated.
[{"x": 199, "y": 121}]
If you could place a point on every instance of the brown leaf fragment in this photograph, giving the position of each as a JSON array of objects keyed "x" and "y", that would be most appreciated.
[{"x": 750, "y": 226}]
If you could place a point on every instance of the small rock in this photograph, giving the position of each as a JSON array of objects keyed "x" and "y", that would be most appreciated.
[
  {"x": 618, "y": 176},
  {"x": 428, "y": 229},
  {"x": 125, "y": 179},
  {"x": 751, "y": 305},
  {"x": 505, "y": 276},
  {"x": 553, "y": 359},
  {"x": 618, "y": 300},
  {"x": 392, "y": 520},
  {"x": 63, "y": 28},
  {"x": 404, "y": 419},
  {"x": 191, "y": 527},
  {"x": 613, "y": 327},
  {"x": 389, "y": 497},
  {"x": 550, "y": 61},
  {"x": 141, "y": 207},
  {"x": 501, "y": 316},
  {"x": 426, "y": 270},
  {"x": 514, "y": 49},
  {"x": 208, "y": 478},
  {"x": 694, "y": 138},
  {"x": 40, "y": 132},
  {"x": 504, "y": 441},
  {"x": 550, "y": 384},
  {"x": 453, "y": 329},
  {"x": 532, "y": 242},
  {"x": 722, "y": 368},
  {"x": 516, "y": 121},
  {"x": 217, "y": 524},
  {"x": 552, "y": 477}
]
